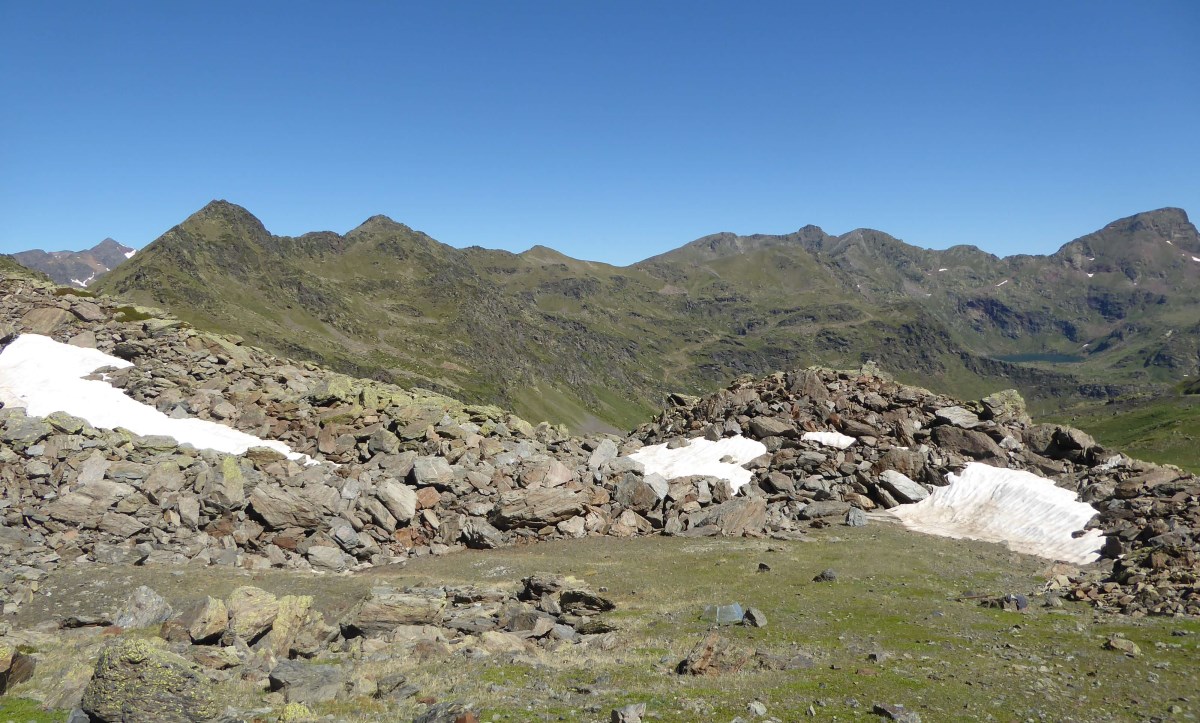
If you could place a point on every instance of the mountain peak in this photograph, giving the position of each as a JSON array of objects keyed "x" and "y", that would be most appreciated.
[
  {"x": 379, "y": 222},
  {"x": 224, "y": 213}
]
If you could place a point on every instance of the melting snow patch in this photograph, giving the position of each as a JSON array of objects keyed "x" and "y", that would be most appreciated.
[
  {"x": 943, "y": 269},
  {"x": 1196, "y": 258},
  {"x": 1002, "y": 283},
  {"x": 829, "y": 439},
  {"x": 1090, "y": 275},
  {"x": 1027, "y": 513},
  {"x": 44, "y": 376},
  {"x": 703, "y": 457},
  {"x": 129, "y": 254}
]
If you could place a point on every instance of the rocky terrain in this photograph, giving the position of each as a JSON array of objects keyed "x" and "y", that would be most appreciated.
[
  {"x": 401, "y": 474},
  {"x": 77, "y": 268}
]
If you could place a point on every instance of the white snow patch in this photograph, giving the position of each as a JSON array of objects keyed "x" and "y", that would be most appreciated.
[
  {"x": 1196, "y": 258},
  {"x": 44, "y": 376},
  {"x": 703, "y": 457},
  {"x": 1091, "y": 258},
  {"x": 1002, "y": 283},
  {"x": 1025, "y": 512},
  {"x": 1090, "y": 275},
  {"x": 829, "y": 439},
  {"x": 1168, "y": 241},
  {"x": 129, "y": 254},
  {"x": 85, "y": 282},
  {"x": 943, "y": 269}
]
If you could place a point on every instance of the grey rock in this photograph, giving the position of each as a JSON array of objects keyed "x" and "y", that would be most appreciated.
[
  {"x": 279, "y": 507},
  {"x": 755, "y": 618},
  {"x": 536, "y": 508},
  {"x": 400, "y": 500},
  {"x": 605, "y": 452},
  {"x": 761, "y": 427},
  {"x": 386, "y": 608},
  {"x": 856, "y": 517},
  {"x": 957, "y": 416},
  {"x": 326, "y": 559},
  {"x": 144, "y": 607},
  {"x": 427, "y": 471},
  {"x": 303, "y": 682},
  {"x": 902, "y": 488},
  {"x": 896, "y": 713}
]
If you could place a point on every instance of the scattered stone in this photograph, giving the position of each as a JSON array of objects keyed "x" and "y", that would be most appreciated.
[
  {"x": 827, "y": 575},
  {"x": 755, "y": 618},
  {"x": 1123, "y": 645},
  {"x": 896, "y": 713}
]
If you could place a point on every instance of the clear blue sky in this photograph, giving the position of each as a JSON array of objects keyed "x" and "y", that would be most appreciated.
[{"x": 608, "y": 130}]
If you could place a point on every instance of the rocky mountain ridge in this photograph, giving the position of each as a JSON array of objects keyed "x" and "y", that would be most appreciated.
[
  {"x": 593, "y": 345},
  {"x": 77, "y": 268}
]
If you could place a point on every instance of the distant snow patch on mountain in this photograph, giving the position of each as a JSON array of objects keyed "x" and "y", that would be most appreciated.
[
  {"x": 1027, "y": 513},
  {"x": 45, "y": 376}
]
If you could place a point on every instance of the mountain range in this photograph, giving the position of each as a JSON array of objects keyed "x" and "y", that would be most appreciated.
[
  {"x": 597, "y": 346},
  {"x": 77, "y": 268}
]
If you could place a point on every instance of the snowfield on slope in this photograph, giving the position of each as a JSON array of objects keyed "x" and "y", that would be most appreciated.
[
  {"x": 1025, "y": 512},
  {"x": 44, "y": 376}
]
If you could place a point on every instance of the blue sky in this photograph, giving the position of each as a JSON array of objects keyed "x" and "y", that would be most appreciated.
[{"x": 611, "y": 131}]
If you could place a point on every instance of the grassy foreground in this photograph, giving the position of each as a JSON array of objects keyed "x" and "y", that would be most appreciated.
[{"x": 890, "y": 629}]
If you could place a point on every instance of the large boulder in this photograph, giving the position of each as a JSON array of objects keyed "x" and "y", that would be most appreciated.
[
  {"x": 903, "y": 489},
  {"x": 536, "y": 507},
  {"x": 386, "y": 608},
  {"x": 279, "y": 507},
  {"x": 136, "y": 681}
]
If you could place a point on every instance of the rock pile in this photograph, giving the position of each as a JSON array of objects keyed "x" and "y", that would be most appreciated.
[
  {"x": 906, "y": 440},
  {"x": 269, "y": 641}
]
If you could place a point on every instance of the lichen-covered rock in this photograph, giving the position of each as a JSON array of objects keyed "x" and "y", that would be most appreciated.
[
  {"x": 251, "y": 612},
  {"x": 135, "y": 681}
]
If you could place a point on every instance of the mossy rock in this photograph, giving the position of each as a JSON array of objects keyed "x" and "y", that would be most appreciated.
[{"x": 137, "y": 681}]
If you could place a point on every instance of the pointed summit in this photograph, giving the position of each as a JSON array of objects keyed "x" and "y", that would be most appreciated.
[{"x": 377, "y": 224}]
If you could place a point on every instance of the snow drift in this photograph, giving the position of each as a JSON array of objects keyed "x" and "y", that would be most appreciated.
[
  {"x": 44, "y": 376},
  {"x": 1025, "y": 512}
]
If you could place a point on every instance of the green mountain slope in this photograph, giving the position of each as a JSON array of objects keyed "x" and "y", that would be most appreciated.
[{"x": 593, "y": 345}]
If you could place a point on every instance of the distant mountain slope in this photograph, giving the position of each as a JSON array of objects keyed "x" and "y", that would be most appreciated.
[
  {"x": 591, "y": 344},
  {"x": 77, "y": 268}
]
